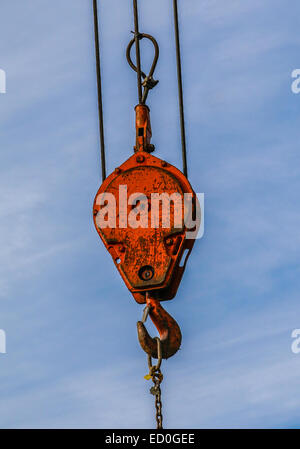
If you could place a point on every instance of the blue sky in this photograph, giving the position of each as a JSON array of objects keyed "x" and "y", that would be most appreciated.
[{"x": 73, "y": 359}]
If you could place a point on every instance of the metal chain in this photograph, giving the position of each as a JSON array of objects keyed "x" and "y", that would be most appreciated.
[
  {"x": 156, "y": 391},
  {"x": 156, "y": 375}
]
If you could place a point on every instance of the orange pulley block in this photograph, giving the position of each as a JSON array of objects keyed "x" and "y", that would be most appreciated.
[
  {"x": 147, "y": 213},
  {"x": 140, "y": 213}
]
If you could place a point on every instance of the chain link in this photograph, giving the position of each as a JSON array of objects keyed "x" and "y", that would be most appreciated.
[{"x": 157, "y": 378}]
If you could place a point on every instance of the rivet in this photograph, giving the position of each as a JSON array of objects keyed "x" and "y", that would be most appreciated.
[
  {"x": 140, "y": 158},
  {"x": 147, "y": 275},
  {"x": 169, "y": 242}
]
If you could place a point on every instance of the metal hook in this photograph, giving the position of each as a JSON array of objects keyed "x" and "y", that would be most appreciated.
[
  {"x": 169, "y": 331},
  {"x": 148, "y": 82}
]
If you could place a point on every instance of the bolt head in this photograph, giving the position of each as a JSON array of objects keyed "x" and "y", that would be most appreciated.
[
  {"x": 140, "y": 158},
  {"x": 169, "y": 241},
  {"x": 147, "y": 274}
]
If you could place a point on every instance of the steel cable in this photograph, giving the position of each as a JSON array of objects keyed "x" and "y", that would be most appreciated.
[
  {"x": 99, "y": 88},
  {"x": 137, "y": 49},
  {"x": 180, "y": 89}
]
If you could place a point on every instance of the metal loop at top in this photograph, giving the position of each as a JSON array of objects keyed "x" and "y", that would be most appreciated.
[{"x": 148, "y": 82}]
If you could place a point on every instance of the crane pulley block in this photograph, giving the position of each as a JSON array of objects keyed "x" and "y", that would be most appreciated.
[{"x": 142, "y": 212}]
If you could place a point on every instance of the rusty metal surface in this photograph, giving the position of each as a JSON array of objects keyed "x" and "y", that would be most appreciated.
[
  {"x": 143, "y": 129},
  {"x": 134, "y": 249},
  {"x": 169, "y": 331},
  {"x": 147, "y": 256}
]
